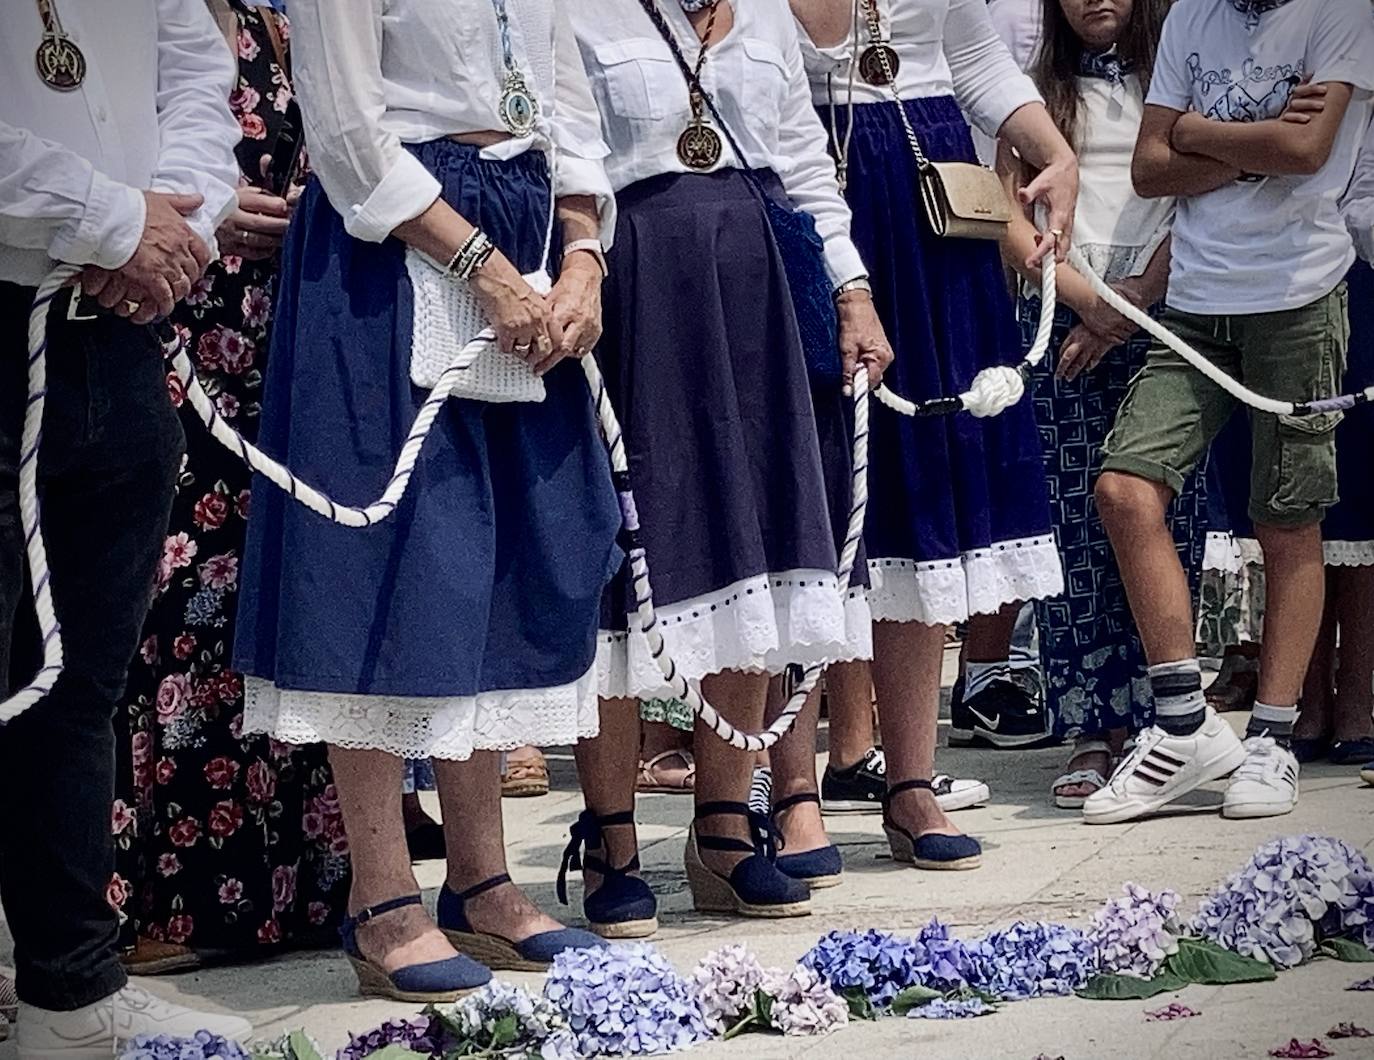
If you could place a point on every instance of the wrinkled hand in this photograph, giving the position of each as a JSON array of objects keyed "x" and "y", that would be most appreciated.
[
  {"x": 1306, "y": 102},
  {"x": 1104, "y": 321},
  {"x": 862, "y": 339},
  {"x": 519, "y": 315},
  {"x": 255, "y": 230},
  {"x": 1083, "y": 349},
  {"x": 575, "y": 303},
  {"x": 1057, "y": 187},
  {"x": 169, "y": 259}
]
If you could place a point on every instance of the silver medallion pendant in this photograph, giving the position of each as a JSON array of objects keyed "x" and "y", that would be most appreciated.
[
  {"x": 878, "y": 64},
  {"x": 699, "y": 146},
  {"x": 519, "y": 110},
  {"x": 60, "y": 62}
]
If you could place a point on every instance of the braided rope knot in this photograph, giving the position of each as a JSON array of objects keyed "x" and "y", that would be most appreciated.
[{"x": 994, "y": 390}]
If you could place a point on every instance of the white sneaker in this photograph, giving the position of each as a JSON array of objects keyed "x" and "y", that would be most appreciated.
[
  {"x": 97, "y": 1031},
  {"x": 952, "y": 794},
  {"x": 1163, "y": 768},
  {"x": 1266, "y": 785}
]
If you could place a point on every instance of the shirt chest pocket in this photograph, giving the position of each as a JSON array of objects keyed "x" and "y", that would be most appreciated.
[
  {"x": 640, "y": 78},
  {"x": 765, "y": 84}
]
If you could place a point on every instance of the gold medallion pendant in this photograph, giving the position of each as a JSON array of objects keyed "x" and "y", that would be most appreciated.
[
  {"x": 878, "y": 64},
  {"x": 60, "y": 62},
  {"x": 699, "y": 146}
]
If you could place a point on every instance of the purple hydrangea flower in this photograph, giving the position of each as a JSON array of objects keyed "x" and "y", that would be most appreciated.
[
  {"x": 877, "y": 964},
  {"x": 725, "y": 983},
  {"x": 804, "y": 1003},
  {"x": 200, "y": 1046},
  {"x": 418, "y": 1035},
  {"x": 951, "y": 1009},
  {"x": 1136, "y": 933},
  {"x": 1270, "y": 909},
  {"x": 624, "y": 1001},
  {"x": 1032, "y": 960},
  {"x": 943, "y": 962}
]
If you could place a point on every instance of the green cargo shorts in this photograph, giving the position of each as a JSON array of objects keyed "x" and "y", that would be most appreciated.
[{"x": 1172, "y": 411}]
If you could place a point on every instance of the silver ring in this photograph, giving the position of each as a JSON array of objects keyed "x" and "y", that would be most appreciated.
[{"x": 522, "y": 348}]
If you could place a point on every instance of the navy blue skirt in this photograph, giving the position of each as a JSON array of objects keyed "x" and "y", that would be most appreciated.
[
  {"x": 488, "y": 578},
  {"x": 958, "y": 516}
]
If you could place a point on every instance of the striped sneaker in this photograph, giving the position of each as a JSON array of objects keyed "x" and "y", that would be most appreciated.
[
  {"x": 1163, "y": 768},
  {"x": 1266, "y": 785}
]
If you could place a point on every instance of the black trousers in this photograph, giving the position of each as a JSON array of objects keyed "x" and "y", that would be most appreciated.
[{"x": 107, "y": 466}]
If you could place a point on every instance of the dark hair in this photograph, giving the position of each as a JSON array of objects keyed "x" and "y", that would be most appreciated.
[{"x": 1055, "y": 69}]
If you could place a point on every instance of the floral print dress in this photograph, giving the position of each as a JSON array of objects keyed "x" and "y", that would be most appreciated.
[{"x": 225, "y": 842}]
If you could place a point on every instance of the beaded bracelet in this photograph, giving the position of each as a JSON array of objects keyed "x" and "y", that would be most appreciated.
[{"x": 474, "y": 252}]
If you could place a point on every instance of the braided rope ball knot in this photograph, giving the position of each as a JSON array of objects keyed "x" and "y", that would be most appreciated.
[{"x": 994, "y": 390}]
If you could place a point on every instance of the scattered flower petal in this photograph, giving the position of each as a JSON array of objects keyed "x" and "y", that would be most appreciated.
[
  {"x": 1349, "y": 1030},
  {"x": 1175, "y": 1011},
  {"x": 1296, "y": 1050}
]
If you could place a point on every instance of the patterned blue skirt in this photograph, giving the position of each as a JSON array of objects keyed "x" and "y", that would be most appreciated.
[
  {"x": 958, "y": 517},
  {"x": 1090, "y": 651},
  {"x": 468, "y": 619}
]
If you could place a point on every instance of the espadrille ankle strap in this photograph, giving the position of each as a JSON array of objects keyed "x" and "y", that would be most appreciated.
[
  {"x": 795, "y": 800},
  {"x": 905, "y": 786},
  {"x": 586, "y": 836},
  {"x": 484, "y": 887}
]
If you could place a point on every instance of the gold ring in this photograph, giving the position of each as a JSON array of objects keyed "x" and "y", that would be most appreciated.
[
  {"x": 131, "y": 305},
  {"x": 1057, "y": 232}
]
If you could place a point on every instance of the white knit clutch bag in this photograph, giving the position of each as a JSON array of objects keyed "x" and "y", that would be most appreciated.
[{"x": 449, "y": 328}]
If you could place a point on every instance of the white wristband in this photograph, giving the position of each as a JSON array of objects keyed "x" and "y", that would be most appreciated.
[{"x": 591, "y": 246}]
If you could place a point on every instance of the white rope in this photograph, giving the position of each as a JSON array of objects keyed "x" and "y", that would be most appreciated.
[
  {"x": 1228, "y": 383},
  {"x": 998, "y": 388},
  {"x": 644, "y": 617}
]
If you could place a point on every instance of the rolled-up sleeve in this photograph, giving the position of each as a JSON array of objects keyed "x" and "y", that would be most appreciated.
[
  {"x": 1358, "y": 205},
  {"x": 369, "y": 176},
  {"x": 988, "y": 84},
  {"x": 196, "y": 130},
  {"x": 810, "y": 180},
  {"x": 581, "y": 167},
  {"x": 53, "y": 200}
]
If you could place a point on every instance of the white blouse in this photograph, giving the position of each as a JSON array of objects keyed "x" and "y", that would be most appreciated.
[
  {"x": 375, "y": 74},
  {"x": 1117, "y": 231},
  {"x": 944, "y": 47},
  {"x": 756, "y": 78}
]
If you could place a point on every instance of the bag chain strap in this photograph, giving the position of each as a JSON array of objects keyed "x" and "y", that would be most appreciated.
[{"x": 875, "y": 36}]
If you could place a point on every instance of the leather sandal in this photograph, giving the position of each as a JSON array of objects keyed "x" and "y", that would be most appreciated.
[
  {"x": 818, "y": 869},
  {"x": 756, "y": 887},
  {"x": 623, "y": 907},
  {"x": 651, "y": 783},
  {"x": 532, "y": 954},
  {"x": 525, "y": 778},
  {"x": 932, "y": 851},
  {"x": 435, "y": 981}
]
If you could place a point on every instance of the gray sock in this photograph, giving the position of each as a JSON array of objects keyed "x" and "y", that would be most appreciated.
[
  {"x": 1180, "y": 708},
  {"x": 1277, "y": 722}
]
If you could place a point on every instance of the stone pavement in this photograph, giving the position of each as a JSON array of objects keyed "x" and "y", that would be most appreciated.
[{"x": 1039, "y": 863}]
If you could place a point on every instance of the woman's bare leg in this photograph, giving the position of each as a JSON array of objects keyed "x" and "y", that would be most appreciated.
[
  {"x": 794, "y": 772},
  {"x": 607, "y": 767},
  {"x": 470, "y": 795},
  {"x": 1355, "y": 670},
  {"x": 369, "y": 787},
  {"x": 723, "y": 772}
]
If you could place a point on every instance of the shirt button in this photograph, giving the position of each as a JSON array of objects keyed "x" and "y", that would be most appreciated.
[{"x": 101, "y": 114}]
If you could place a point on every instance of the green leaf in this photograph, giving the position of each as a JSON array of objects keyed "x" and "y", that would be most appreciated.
[
  {"x": 1129, "y": 988},
  {"x": 1198, "y": 961},
  {"x": 302, "y": 1048},
  {"x": 913, "y": 997},
  {"x": 860, "y": 1008},
  {"x": 393, "y": 1052},
  {"x": 763, "y": 1008},
  {"x": 746, "y": 1023},
  {"x": 505, "y": 1031},
  {"x": 1347, "y": 950}
]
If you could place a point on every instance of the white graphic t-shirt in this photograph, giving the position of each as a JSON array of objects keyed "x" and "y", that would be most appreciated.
[{"x": 1275, "y": 243}]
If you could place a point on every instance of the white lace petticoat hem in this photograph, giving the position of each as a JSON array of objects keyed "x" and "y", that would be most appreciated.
[
  {"x": 978, "y": 582},
  {"x": 761, "y": 624},
  {"x": 1228, "y": 553},
  {"x": 450, "y": 728}
]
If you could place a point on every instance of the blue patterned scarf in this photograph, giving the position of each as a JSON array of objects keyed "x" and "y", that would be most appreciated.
[
  {"x": 1253, "y": 9},
  {"x": 1106, "y": 65}
]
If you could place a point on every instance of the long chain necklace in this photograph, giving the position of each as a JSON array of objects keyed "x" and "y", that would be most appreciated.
[
  {"x": 518, "y": 108},
  {"x": 60, "y": 62},
  {"x": 699, "y": 146},
  {"x": 879, "y": 63}
]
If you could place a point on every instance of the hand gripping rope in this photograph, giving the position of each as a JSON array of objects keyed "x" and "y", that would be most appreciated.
[
  {"x": 997, "y": 388},
  {"x": 643, "y": 619}
]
